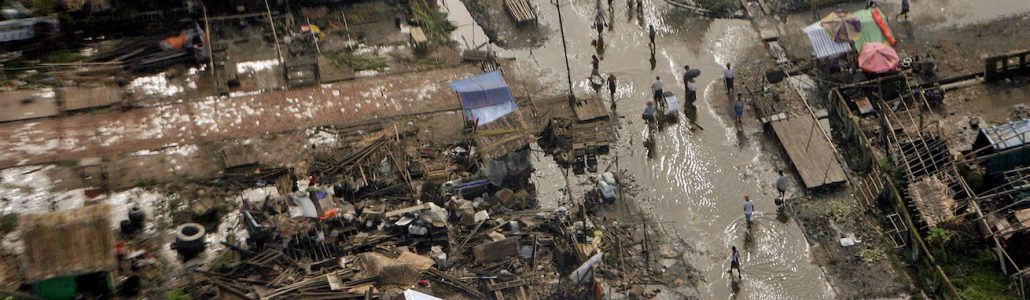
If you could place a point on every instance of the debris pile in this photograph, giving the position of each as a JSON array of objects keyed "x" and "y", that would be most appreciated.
[
  {"x": 385, "y": 214},
  {"x": 933, "y": 200}
]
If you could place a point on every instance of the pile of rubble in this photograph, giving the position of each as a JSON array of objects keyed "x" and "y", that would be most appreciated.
[{"x": 386, "y": 215}]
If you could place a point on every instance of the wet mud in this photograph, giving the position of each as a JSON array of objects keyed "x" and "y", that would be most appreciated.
[{"x": 696, "y": 176}]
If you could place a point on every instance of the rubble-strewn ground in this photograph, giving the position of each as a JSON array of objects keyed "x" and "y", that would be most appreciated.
[{"x": 349, "y": 191}]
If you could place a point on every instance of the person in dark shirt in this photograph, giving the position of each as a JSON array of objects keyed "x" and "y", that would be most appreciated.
[{"x": 735, "y": 261}]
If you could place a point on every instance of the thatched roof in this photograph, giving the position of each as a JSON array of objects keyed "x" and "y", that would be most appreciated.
[
  {"x": 70, "y": 242},
  {"x": 933, "y": 200}
]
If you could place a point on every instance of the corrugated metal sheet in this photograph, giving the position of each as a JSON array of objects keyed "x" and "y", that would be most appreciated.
[
  {"x": 822, "y": 44},
  {"x": 1008, "y": 135}
]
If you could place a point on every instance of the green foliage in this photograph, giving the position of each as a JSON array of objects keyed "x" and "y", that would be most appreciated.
[
  {"x": 889, "y": 169},
  {"x": 433, "y": 21},
  {"x": 938, "y": 239},
  {"x": 975, "y": 178},
  {"x": 360, "y": 62},
  {"x": 146, "y": 182},
  {"x": 8, "y": 223},
  {"x": 224, "y": 262},
  {"x": 978, "y": 277},
  {"x": 720, "y": 6},
  {"x": 62, "y": 56},
  {"x": 177, "y": 294},
  {"x": 872, "y": 254},
  {"x": 43, "y": 7}
]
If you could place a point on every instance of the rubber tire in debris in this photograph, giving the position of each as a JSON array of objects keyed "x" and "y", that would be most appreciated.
[{"x": 196, "y": 233}]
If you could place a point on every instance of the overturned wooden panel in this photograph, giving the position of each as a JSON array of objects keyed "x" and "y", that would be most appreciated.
[
  {"x": 809, "y": 151},
  {"x": 65, "y": 243},
  {"x": 76, "y": 98},
  {"x": 27, "y": 104},
  {"x": 502, "y": 136},
  {"x": 588, "y": 109},
  {"x": 239, "y": 155},
  {"x": 496, "y": 250}
]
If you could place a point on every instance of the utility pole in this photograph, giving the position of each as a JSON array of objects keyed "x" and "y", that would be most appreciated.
[
  {"x": 565, "y": 48},
  {"x": 815, "y": 10},
  {"x": 210, "y": 51},
  {"x": 314, "y": 37},
  {"x": 275, "y": 37}
]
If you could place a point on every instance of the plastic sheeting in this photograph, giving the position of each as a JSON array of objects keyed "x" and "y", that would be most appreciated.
[
  {"x": 485, "y": 97},
  {"x": 512, "y": 163},
  {"x": 822, "y": 44},
  {"x": 871, "y": 32},
  {"x": 415, "y": 295}
]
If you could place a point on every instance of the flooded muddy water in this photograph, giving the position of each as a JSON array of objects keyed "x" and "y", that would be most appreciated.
[
  {"x": 695, "y": 179},
  {"x": 956, "y": 12}
]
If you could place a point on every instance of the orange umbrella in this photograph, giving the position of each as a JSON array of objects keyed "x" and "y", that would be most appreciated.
[{"x": 842, "y": 26}]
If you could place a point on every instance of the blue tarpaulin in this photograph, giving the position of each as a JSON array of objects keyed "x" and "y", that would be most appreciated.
[
  {"x": 822, "y": 44},
  {"x": 485, "y": 97}
]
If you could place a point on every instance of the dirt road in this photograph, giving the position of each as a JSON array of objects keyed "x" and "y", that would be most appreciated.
[{"x": 82, "y": 135}]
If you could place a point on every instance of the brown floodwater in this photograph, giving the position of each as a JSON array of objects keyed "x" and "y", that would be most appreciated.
[{"x": 695, "y": 180}]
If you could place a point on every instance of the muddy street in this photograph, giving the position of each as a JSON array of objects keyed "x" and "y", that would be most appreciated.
[{"x": 694, "y": 179}]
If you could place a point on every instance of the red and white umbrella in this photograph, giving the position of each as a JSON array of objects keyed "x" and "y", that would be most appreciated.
[{"x": 877, "y": 58}]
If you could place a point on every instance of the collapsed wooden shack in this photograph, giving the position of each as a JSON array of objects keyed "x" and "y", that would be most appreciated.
[
  {"x": 932, "y": 198},
  {"x": 67, "y": 248},
  {"x": 1003, "y": 212}
]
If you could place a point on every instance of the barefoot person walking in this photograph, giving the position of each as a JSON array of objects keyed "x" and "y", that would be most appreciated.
[
  {"x": 735, "y": 262},
  {"x": 728, "y": 75},
  {"x": 904, "y": 9},
  {"x": 611, "y": 88},
  {"x": 738, "y": 108},
  {"x": 749, "y": 208},
  {"x": 781, "y": 184}
]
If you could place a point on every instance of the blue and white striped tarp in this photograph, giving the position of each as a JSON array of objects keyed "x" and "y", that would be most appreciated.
[{"x": 824, "y": 45}]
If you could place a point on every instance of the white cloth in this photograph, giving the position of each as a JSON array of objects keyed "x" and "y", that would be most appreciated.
[
  {"x": 728, "y": 73},
  {"x": 749, "y": 207},
  {"x": 657, "y": 86}
]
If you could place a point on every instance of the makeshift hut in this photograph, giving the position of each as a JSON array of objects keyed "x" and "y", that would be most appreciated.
[
  {"x": 1003, "y": 147},
  {"x": 68, "y": 253},
  {"x": 500, "y": 131},
  {"x": 485, "y": 97}
]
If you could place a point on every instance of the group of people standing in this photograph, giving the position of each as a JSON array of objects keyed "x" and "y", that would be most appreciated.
[{"x": 689, "y": 83}]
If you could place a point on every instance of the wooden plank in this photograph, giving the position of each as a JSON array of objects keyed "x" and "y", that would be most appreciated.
[
  {"x": 496, "y": 250},
  {"x": 809, "y": 151},
  {"x": 237, "y": 155},
  {"x": 76, "y": 98},
  {"x": 592, "y": 108},
  {"x": 402, "y": 211},
  {"x": 520, "y": 11},
  {"x": 27, "y": 104}
]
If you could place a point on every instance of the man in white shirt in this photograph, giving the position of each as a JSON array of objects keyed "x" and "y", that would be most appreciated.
[
  {"x": 657, "y": 88},
  {"x": 749, "y": 208},
  {"x": 728, "y": 75}
]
